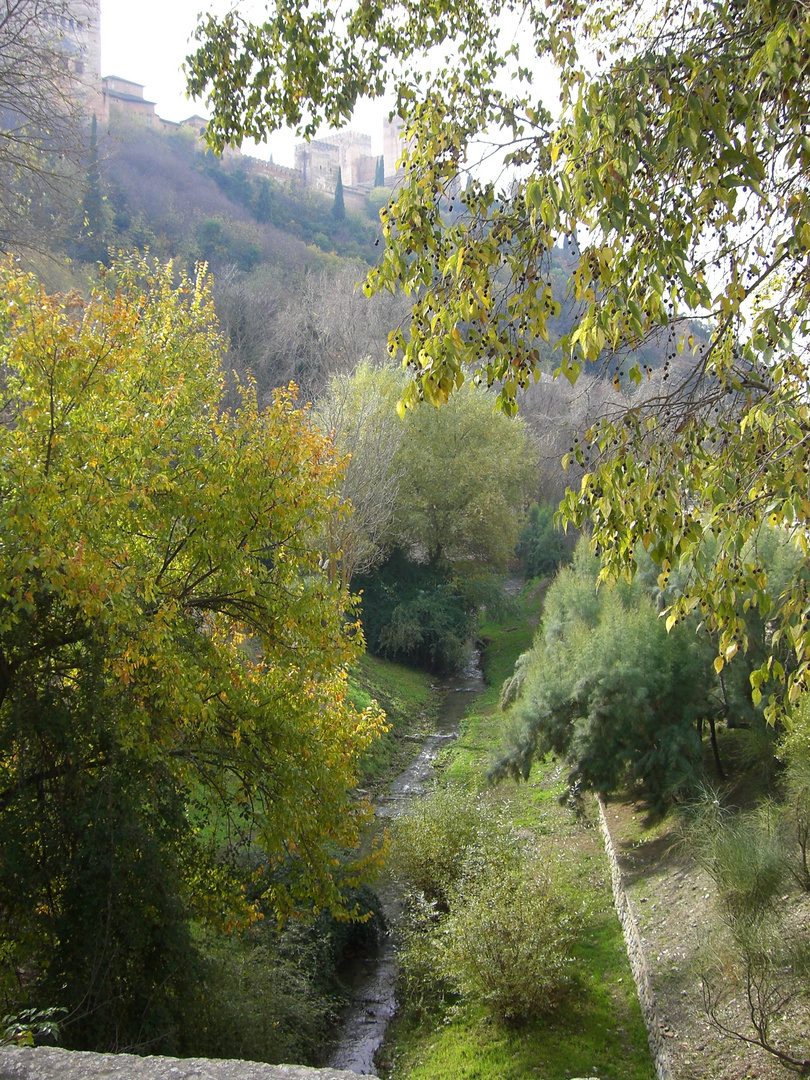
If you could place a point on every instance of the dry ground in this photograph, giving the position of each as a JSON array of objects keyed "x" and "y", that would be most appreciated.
[{"x": 674, "y": 905}]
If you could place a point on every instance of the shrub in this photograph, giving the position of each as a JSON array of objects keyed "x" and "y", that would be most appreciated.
[
  {"x": 795, "y": 752},
  {"x": 446, "y": 836},
  {"x": 507, "y": 943},
  {"x": 479, "y": 922},
  {"x": 257, "y": 1004},
  {"x": 797, "y": 812},
  {"x": 273, "y": 994},
  {"x": 430, "y": 841},
  {"x": 744, "y": 856},
  {"x": 609, "y": 691}
]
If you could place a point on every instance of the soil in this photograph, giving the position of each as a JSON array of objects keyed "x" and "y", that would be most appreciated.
[{"x": 675, "y": 909}]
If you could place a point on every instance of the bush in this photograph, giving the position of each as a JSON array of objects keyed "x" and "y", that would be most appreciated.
[
  {"x": 744, "y": 856},
  {"x": 480, "y": 922},
  {"x": 795, "y": 752},
  {"x": 507, "y": 943},
  {"x": 273, "y": 994},
  {"x": 257, "y": 1004},
  {"x": 434, "y": 842}
]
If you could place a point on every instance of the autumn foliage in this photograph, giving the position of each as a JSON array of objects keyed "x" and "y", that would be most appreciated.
[{"x": 175, "y": 741}]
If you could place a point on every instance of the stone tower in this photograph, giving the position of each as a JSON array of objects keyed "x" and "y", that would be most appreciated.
[
  {"x": 393, "y": 145},
  {"x": 76, "y": 26},
  {"x": 87, "y": 35}
]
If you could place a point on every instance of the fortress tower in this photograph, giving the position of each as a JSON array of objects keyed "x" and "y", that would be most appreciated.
[
  {"x": 75, "y": 27},
  {"x": 393, "y": 145}
]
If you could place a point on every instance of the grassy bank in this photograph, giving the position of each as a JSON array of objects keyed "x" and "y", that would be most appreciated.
[
  {"x": 597, "y": 1028},
  {"x": 410, "y": 705}
]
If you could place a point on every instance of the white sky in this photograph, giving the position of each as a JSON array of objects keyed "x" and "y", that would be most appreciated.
[{"x": 147, "y": 42}]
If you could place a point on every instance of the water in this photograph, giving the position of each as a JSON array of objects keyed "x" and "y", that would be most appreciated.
[{"x": 372, "y": 979}]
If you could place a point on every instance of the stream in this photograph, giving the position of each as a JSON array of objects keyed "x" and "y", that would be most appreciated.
[{"x": 372, "y": 979}]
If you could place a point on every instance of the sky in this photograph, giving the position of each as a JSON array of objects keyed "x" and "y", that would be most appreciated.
[{"x": 148, "y": 41}]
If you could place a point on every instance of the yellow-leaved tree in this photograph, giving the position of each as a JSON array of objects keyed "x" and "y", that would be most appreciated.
[{"x": 173, "y": 658}]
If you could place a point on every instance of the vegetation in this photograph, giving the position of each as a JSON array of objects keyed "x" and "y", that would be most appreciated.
[
  {"x": 619, "y": 698},
  {"x": 184, "y": 713},
  {"x": 465, "y": 845},
  {"x": 482, "y": 922},
  {"x": 542, "y": 545},
  {"x": 437, "y": 501},
  {"x": 176, "y": 744},
  {"x": 417, "y": 613},
  {"x": 679, "y": 160},
  {"x": 466, "y": 475},
  {"x": 43, "y": 141},
  {"x": 164, "y": 191},
  {"x": 756, "y": 953},
  {"x": 409, "y": 702},
  {"x": 358, "y": 409}
]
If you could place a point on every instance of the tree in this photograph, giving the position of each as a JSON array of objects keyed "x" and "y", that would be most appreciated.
[
  {"x": 263, "y": 205},
  {"x": 358, "y": 411},
  {"x": 610, "y": 692},
  {"x": 379, "y": 173},
  {"x": 173, "y": 713},
  {"x": 42, "y": 120},
  {"x": 94, "y": 228},
  {"x": 466, "y": 475},
  {"x": 678, "y": 163},
  {"x": 338, "y": 207}
]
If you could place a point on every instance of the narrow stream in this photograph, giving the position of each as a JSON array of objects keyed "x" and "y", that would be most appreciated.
[{"x": 372, "y": 979}]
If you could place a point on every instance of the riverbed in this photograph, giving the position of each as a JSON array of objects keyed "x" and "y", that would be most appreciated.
[{"x": 372, "y": 979}]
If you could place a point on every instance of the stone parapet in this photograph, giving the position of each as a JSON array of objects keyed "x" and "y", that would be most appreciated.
[{"x": 45, "y": 1063}]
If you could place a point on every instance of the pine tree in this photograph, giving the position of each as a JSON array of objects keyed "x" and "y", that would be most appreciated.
[{"x": 339, "y": 208}]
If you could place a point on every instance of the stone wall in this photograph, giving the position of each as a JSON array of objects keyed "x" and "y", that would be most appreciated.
[
  {"x": 635, "y": 953},
  {"x": 44, "y": 1063}
]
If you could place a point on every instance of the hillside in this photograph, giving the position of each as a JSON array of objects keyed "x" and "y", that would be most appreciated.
[{"x": 164, "y": 192}]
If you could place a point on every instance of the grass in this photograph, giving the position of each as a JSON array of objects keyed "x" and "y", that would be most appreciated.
[
  {"x": 598, "y": 1029},
  {"x": 410, "y": 705}
]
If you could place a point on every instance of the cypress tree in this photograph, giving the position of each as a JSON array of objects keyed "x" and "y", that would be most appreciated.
[
  {"x": 92, "y": 246},
  {"x": 263, "y": 208},
  {"x": 93, "y": 203},
  {"x": 379, "y": 175},
  {"x": 339, "y": 209}
]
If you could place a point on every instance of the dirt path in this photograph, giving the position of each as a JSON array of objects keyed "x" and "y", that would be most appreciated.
[{"x": 673, "y": 903}]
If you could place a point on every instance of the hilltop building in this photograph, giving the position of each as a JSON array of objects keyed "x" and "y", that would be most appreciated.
[{"x": 111, "y": 97}]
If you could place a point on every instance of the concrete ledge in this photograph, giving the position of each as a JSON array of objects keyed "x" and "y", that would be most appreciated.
[{"x": 45, "y": 1063}]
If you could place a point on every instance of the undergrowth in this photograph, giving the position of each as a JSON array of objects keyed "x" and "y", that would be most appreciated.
[{"x": 457, "y": 1027}]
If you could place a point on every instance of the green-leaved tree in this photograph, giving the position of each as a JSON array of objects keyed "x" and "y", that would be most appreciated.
[{"x": 677, "y": 166}]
